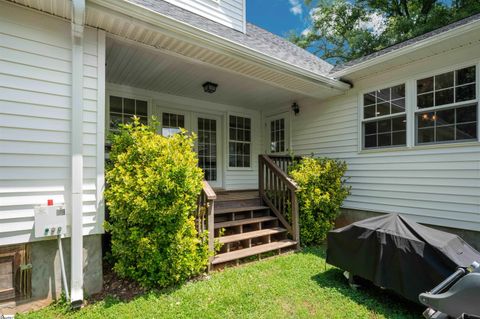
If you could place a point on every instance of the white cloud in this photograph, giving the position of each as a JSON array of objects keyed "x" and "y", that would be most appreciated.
[
  {"x": 376, "y": 23},
  {"x": 306, "y": 31},
  {"x": 296, "y": 7}
]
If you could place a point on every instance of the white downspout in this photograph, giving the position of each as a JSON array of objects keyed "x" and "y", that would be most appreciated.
[{"x": 76, "y": 284}]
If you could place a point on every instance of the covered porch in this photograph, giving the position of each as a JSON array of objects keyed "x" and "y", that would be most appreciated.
[
  {"x": 236, "y": 92},
  {"x": 244, "y": 117}
]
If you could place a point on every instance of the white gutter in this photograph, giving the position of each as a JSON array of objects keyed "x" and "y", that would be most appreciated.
[
  {"x": 422, "y": 44},
  {"x": 78, "y": 20},
  {"x": 212, "y": 40}
]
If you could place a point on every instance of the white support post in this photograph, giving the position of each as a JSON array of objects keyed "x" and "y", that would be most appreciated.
[{"x": 78, "y": 17}]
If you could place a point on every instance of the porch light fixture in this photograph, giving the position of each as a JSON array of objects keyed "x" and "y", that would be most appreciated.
[
  {"x": 295, "y": 108},
  {"x": 209, "y": 87}
]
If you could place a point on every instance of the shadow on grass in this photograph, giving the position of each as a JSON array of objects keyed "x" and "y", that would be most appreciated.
[
  {"x": 111, "y": 300},
  {"x": 377, "y": 300}
]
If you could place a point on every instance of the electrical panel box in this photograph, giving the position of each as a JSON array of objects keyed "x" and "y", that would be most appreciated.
[{"x": 50, "y": 220}]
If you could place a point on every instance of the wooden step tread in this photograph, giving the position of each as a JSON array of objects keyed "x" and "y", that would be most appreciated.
[
  {"x": 251, "y": 234},
  {"x": 234, "y": 196},
  {"x": 245, "y": 221},
  {"x": 242, "y": 253},
  {"x": 239, "y": 209}
]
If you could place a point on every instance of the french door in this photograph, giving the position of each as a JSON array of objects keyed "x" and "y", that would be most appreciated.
[
  {"x": 208, "y": 146},
  {"x": 277, "y": 134},
  {"x": 208, "y": 131}
]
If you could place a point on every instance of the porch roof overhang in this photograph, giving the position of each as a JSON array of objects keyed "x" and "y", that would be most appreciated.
[
  {"x": 154, "y": 28},
  {"x": 137, "y": 23},
  {"x": 457, "y": 35}
]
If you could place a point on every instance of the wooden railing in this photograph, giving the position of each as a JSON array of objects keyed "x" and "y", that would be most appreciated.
[
  {"x": 278, "y": 191},
  {"x": 284, "y": 161},
  {"x": 205, "y": 213}
]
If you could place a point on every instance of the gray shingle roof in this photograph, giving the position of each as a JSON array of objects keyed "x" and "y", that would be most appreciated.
[
  {"x": 406, "y": 43},
  {"x": 255, "y": 38}
]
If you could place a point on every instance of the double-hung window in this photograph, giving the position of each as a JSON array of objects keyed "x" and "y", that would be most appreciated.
[
  {"x": 239, "y": 141},
  {"x": 447, "y": 106},
  {"x": 122, "y": 111},
  {"x": 172, "y": 123},
  {"x": 384, "y": 118}
]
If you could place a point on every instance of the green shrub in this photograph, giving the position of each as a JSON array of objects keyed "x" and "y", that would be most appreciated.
[
  {"x": 321, "y": 192},
  {"x": 153, "y": 186}
]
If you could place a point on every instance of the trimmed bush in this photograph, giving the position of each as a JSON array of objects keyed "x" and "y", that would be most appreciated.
[
  {"x": 322, "y": 191},
  {"x": 153, "y": 185}
]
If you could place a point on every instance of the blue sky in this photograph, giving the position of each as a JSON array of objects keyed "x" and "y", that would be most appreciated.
[{"x": 278, "y": 16}]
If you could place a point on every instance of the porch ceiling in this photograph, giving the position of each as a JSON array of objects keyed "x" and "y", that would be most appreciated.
[
  {"x": 139, "y": 66},
  {"x": 126, "y": 20}
]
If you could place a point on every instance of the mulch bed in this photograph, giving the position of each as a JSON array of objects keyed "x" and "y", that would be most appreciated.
[{"x": 116, "y": 287}]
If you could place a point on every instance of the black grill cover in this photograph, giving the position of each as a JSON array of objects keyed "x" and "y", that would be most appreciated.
[{"x": 398, "y": 254}]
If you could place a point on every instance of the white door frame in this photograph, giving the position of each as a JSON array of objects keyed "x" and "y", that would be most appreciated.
[
  {"x": 219, "y": 134},
  {"x": 268, "y": 120}
]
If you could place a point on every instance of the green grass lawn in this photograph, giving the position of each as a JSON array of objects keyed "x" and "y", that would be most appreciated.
[{"x": 297, "y": 285}]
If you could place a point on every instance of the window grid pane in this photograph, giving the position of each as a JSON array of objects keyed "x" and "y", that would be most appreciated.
[
  {"x": 456, "y": 123},
  {"x": 239, "y": 141},
  {"x": 277, "y": 136},
  {"x": 172, "y": 123},
  {"x": 384, "y": 102},
  {"x": 385, "y": 132},
  {"x": 446, "y": 88},
  {"x": 390, "y": 130},
  {"x": 122, "y": 110},
  {"x": 207, "y": 147}
]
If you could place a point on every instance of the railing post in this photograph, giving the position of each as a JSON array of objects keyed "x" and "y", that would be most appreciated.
[
  {"x": 295, "y": 222},
  {"x": 211, "y": 230},
  {"x": 261, "y": 176}
]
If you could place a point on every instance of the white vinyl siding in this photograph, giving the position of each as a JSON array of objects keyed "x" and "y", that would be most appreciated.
[
  {"x": 434, "y": 184},
  {"x": 35, "y": 113},
  {"x": 227, "y": 12}
]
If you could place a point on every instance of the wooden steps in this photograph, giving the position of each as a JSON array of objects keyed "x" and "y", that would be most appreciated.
[
  {"x": 251, "y": 234},
  {"x": 226, "y": 210},
  {"x": 256, "y": 250},
  {"x": 245, "y": 221},
  {"x": 246, "y": 227}
]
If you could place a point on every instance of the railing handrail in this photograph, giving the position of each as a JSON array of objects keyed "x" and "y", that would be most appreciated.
[
  {"x": 295, "y": 157},
  {"x": 208, "y": 190},
  {"x": 271, "y": 173},
  {"x": 289, "y": 182}
]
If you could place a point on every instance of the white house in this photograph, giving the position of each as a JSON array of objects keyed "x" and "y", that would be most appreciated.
[{"x": 405, "y": 119}]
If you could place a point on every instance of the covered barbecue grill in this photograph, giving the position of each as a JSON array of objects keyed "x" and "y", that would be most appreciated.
[{"x": 398, "y": 254}]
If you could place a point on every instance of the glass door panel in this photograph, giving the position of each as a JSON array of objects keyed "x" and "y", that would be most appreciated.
[{"x": 208, "y": 148}]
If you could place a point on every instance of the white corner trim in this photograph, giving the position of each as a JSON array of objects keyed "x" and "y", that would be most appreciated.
[
  {"x": 78, "y": 18},
  {"x": 100, "y": 156},
  {"x": 409, "y": 48}
]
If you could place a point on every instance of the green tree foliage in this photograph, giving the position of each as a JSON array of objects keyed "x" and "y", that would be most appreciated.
[
  {"x": 342, "y": 30},
  {"x": 153, "y": 185},
  {"x": 322, "y": 191}
]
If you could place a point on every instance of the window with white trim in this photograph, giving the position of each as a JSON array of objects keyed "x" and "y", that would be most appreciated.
[
  {"x": 277, "y": 135},
  {"x": 172, "y": 123},
  {"x": 122, "y": 111},
  {"x": 239, "y": 141},
  {"x": 447, "y": 106},
  {"x": 384, "y": 118}
]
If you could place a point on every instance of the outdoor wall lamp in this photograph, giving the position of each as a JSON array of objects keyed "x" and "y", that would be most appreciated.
[
  {"x": 295, "y": 108},
  {"x": 209, "y": 87}
]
